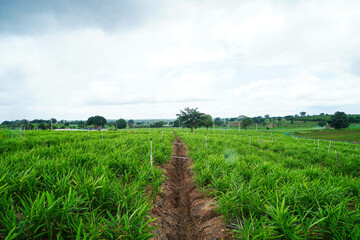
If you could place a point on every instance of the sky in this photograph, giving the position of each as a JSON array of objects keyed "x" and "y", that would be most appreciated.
[{"x": 143, "y": 59}]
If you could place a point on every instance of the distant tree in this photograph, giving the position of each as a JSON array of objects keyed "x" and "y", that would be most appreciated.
[
  {"x": 96, "y": 120},
  {"x": 339, "y": 120},
  {"x": 41, "y": 126},
  {"x": 322, "y": 123},
  {"x": 158, "y": 124},
  {"x": 245, "y": 123},
  {"x": 303, "y": 114},
  {"x": 53, "y": 120},
  {"x": 81, "y": 124},
  {"x": 121, "y": 124},
  {"x": 267, "y": 116},
  {"x": 207, "y": 121},
  {"x": 176, "y": 123},
  {"x": 131, "y": 123},
  {"x": 190, "y": 118},
  {"x": 241, "y": 117},
  {"x": 218, "y": 121},
  {"x": 6, "y": 123},
  {"x": 68, "y": 124}
]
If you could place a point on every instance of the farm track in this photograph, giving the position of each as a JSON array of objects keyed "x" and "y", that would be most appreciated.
[{"x": 183, "y": 212}]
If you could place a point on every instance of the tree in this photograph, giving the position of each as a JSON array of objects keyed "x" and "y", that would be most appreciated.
[
  {"x": 176, "y": 123},
  {"x": 322, "y": 123},
  {"x": 218, "y": 121},
  {"x": 41, "y": 126},
  {"x": 190, "y": 118},
  {"x": 207, "y": 121},
  {"x": 303, "y": 114},
  {"x": 98, "y": 121},
  {"x": 131, "y": 123},
  {"x": 53, "y": 120},
  {"x": 246, "y": 122},
  {"x": 339, "y": 120},
  {"x": 121, "y": 123}
]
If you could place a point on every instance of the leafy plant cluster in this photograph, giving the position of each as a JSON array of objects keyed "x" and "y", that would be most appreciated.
[
  {"x": 71, "y": 185},
  {"x": 272, "y": 186}
]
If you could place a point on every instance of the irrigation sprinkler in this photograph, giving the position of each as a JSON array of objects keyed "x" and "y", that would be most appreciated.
[
  {"x": 151, "y": 157},
  {"x": 329, "y": 146}
]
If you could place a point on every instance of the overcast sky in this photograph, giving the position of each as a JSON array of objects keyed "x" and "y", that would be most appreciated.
[{"x": 148, "y": 59}]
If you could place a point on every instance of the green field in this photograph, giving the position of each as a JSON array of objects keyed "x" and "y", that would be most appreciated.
[
  {"x": 71, "y": 185},
  {"x": 348, "y": 134},
  {"x": 270, "y": 185}
]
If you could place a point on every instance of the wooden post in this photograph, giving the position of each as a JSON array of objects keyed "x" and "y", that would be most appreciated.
[
  {"x": 337, "y": 160},
  {"x": 250, "y": 143},
  {"x": 329, "y": 146},
  {"x": 151, "y": 157}
]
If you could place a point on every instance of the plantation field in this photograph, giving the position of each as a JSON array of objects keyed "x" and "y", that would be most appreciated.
[
  {"x": 348, "y": 134},
  {"x": 71, "y": 185},
  {"x": 272, "y": 186},
  {"x": 74, "y": 185}
]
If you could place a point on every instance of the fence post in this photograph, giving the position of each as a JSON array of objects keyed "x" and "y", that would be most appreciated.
[
  {"x": 250, "y": 143},
  {"x": 337, "y": 160},
  {"x": 151, "y": 157}
]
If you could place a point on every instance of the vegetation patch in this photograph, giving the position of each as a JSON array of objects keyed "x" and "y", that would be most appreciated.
[{"x": 348, "y": 135}]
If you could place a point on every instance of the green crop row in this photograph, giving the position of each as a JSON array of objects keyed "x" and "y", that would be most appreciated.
[
  {"x": 272, "y": 186},
  {"x": 79, "y": 185}
]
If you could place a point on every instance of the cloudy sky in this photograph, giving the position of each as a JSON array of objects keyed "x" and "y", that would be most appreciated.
[{"x": 149, "y": 59}]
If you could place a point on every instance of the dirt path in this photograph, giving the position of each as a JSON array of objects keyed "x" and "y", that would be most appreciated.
[{"x": 182, "y": 211}]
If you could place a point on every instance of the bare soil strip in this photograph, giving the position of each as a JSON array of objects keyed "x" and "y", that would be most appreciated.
[{"x": 183, "y": 212}]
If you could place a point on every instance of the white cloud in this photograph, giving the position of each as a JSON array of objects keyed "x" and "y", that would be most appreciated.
[{"x": 228, "y": 58}]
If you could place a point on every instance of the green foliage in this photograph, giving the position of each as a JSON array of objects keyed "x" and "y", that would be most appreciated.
[
  {"x": 322, "y": 123},
  {"x": 246, "y": 122},
  {"x": 68, "y": 185},
  {"x": 121, "y": 123},
  {"x": 131, "y": 123},
  {"x": 218, "y": 122},
  {"x": 206, "y": 121},
  {"x": 190, "y": 118},
  {"x": 279, "y": 187},
  {"x": 96, "y": 120},
  {"x": 339, "y": 121}
]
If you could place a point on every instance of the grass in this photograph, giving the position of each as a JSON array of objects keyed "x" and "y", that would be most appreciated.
[{"x": 348, "y": 134}]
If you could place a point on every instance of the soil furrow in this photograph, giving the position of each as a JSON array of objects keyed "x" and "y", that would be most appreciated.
[{"x": 183, "y": 212}]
